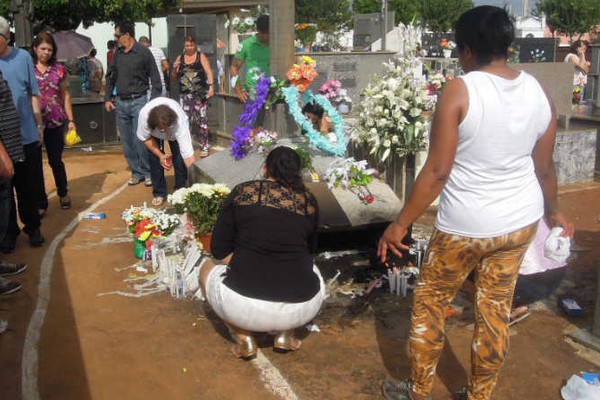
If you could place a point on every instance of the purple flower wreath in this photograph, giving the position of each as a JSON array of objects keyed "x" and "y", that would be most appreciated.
[{"x": 241, "y": 133}]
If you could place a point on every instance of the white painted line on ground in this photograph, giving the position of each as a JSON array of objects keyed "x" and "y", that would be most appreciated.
[
  {"x": 29, "y": 363},
  {"x": 272, "y": 378}
]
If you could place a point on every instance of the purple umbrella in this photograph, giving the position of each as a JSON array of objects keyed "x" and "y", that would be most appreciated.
[{"x": 71, "y": 44}]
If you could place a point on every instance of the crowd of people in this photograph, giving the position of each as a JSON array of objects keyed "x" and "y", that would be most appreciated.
[{"x": 496, "y": 181}]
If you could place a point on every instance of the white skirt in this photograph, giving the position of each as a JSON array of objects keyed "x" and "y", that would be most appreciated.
[{"x": 259, "y": 315}]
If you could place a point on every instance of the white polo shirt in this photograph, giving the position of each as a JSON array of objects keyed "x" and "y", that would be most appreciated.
[{"x": 180, "y": 131}]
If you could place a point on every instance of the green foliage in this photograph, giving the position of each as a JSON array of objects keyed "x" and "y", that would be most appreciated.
[
  {"x": 305, "y": 160},
  {"x": 441, "y": 15},
  {"x": 203, "y": 210},
  {"x": 571, "y": 17},
  {"x": 68, "y": 14},
  {"x": 405, "y": 10},
  {"x": 330, "y": 16}
]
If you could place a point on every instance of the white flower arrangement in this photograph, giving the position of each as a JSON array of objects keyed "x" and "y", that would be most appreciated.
[
  {"x": 156, "y": 220},
  {"x": 180, "y": 196},
  {"x": 393, "y": 116},
  {"x": 351, "y": 175},
  {"x": 245, "y": 23},
  {"x": 241, "y": 24}
]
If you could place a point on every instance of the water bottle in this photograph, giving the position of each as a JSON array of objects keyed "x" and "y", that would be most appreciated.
[{"x": 93, "y": 215}]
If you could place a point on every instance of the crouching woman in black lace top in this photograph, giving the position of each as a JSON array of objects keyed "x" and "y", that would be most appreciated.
[{"x": 265, "y": 234}]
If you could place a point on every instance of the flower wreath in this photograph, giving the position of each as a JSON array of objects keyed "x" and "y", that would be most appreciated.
[{"x": 316, "y": 138}]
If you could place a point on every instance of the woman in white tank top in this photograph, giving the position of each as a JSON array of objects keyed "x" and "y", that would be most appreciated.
[{"x": 490, "y": 159}]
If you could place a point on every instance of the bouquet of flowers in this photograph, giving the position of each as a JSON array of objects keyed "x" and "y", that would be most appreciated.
[
  {"x": 306, "y": 33},
  {"x": 352, "y": 175},
  {"x": 264, "y": 140},
  {"x": 241, "y": 24},
  {"x": 394, "y": 117},
  {"x": 245, "y": 22},
  {"x": 303, "y": 74},
  {"x": 332, "y": 90},
  {"x": 201, "y": 203},
  {"x": 537, "y": 55},
  {"x": 447, "y": 44},
  {"x": 148, "y": 223},
  {"x": 576, "y": 94}
]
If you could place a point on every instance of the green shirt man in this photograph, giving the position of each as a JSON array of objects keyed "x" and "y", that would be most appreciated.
[{"x": 256, "y": 54}]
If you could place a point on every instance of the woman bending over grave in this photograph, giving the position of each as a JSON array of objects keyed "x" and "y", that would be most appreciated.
[{"x": 264, "y": 235}]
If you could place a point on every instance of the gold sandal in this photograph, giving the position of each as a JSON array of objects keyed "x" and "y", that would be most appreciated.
[
  {"x": 245, "y": 346},
  {"x": 286, "y": 341}
]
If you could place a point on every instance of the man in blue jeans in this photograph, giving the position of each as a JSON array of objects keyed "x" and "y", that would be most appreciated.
[
  {"x": 11, "y": 152},
  {"x": 164, "y": 119},
  {"x": 130, "y": 71},
  {"x": 17, "y": 68}
]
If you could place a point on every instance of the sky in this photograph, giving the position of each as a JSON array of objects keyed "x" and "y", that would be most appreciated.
[{"x": 515, "y": 6}]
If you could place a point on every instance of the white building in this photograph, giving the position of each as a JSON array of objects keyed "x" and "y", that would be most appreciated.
[{"x": 530, "y": 26}]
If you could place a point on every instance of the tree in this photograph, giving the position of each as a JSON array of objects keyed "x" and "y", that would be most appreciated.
[
  {"x": 571, "y": 17},
  {"x": 441, "y": 15},
  {"x": 330, "y": 16},
  {"x": 405, "y": 11},
  {"x": 68, "y": 14}
]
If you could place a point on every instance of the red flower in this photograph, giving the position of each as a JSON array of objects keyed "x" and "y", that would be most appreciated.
[{"x": 369, "y": 199}]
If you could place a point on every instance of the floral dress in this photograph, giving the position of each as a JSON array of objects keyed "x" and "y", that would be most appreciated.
[
  {"x": 51, "y": 100},
  {"x": 193, "y": 87}
]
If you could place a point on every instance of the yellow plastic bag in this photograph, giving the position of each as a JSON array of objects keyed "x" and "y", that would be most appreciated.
[{"x": 72, "y": 138}]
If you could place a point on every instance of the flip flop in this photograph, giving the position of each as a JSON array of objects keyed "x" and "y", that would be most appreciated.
[
  {"x": 519, "y": 314},
  {"x": 158, "y": 201}
]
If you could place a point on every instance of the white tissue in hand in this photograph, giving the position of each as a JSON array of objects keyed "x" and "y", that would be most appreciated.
[
  {"x": 233, "y": 81},
  {"x": 557, "y": 247}
]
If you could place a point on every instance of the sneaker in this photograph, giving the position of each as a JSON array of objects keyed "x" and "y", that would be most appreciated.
[
  {"x": 8, "y": 244},
  {"x": 394, "y": 389},
  {"x": 65, "y": 202},
  {"x": 8, "y": 269},
  {"x": 134, "y": 181},
  {"x": 8, "y": 287},
  {"x": 147, "y": 181},
  {"x": 35, "y": 238}
]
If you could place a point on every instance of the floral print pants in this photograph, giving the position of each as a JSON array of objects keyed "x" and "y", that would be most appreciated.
[
  {"x": 448, "y": 262},
  {"x": 195, "y": 108}
]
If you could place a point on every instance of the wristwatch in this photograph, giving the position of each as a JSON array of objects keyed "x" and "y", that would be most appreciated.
[{"x": 41, "y": 126}]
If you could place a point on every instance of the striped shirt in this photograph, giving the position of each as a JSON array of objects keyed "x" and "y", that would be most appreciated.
[
  {"x": 10, "y": 124},
  {"x": 159, "y": 56}
]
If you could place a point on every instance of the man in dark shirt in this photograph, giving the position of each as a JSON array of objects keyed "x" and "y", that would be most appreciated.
[
  {"x": 130, "y": 71},
  {"x": 11, "y": 151}
]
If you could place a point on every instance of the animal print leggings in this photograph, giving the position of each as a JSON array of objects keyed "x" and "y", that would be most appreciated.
[
  {"x": 195, "y": 108},
  {"x": 448, "y": 262}
]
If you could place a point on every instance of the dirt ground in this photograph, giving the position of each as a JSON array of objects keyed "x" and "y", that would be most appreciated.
[{"x": 95, "y": 346}]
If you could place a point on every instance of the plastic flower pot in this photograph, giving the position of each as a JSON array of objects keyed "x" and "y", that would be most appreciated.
[{"x": 139, "y": 247}]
